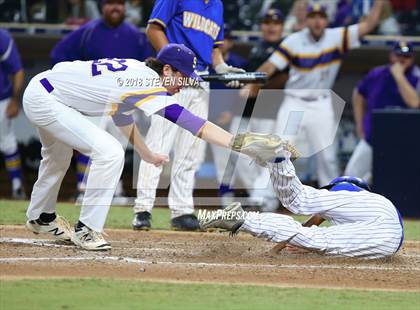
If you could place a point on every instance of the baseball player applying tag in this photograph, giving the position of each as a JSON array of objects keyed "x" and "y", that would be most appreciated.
[{"x": 57, "y": 102}]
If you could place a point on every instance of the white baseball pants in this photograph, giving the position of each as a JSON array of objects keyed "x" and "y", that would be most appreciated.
[
  {"x": 317, "y": 128},
  {"x": 8, "y": 144},
  {"x": 360, "y": 163},
  {"x": 62, "y": 129},
  {"x": 188, "y": 150}
]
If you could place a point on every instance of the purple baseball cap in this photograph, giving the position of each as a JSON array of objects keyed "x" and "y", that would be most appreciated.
[
  {"x": 274, "y": 15},
  {"x": 181, "y": 58},
  {"x": 316, "y": 8},
  {"x": 403, "y": 48}
]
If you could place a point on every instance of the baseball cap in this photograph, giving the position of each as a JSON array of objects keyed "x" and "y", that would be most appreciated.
[
  {"x": 403, "y": 48},
  {"x": 316, "y": 8},
  {"x": 181, "y": 58},
  {"x": 273, "y": 14}
]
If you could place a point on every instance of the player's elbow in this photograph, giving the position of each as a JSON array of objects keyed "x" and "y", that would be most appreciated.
[{"x": 153, "y": 30}]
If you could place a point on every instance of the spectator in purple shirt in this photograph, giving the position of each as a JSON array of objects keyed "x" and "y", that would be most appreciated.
[
  {"x": 107, "y": 37},
  {"x": 11, "y": 83},
  {"x": 394, "y": 85}
]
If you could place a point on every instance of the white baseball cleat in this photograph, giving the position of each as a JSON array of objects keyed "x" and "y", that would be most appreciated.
[
  {"x": 59, "y": 228},
  {"x": 231, "y": 218},
  {"x": 90, "y": 240}
]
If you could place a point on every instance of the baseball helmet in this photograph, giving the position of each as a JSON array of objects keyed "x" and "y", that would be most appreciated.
[{"x": 347, "y": 183}]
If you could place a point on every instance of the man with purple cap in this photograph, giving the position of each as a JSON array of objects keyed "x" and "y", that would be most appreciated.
[
  {"x": 314, "y": 55},
  {"x": 57, "y": 102},
  {"x": 394, "y": 85},
  {"x": 11, "y": 85}
]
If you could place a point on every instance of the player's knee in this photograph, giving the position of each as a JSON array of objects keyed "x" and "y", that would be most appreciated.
[{"x": 115, "y": 154}]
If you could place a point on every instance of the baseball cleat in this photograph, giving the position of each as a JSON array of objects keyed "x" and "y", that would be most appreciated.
[
  {"x": 59, "y": 228},
  {"x": 263, "y": 147},
  {"x": 187, "y": 222},
  {"x": 90, "y": 240},
  {"x": 231, "y": 218},
  {"x": 141, "y": 221},
  {"x": 19, "y": 194}
]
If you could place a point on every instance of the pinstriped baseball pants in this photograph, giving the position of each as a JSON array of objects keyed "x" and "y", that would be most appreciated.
[{"x": 365, "y": 224}]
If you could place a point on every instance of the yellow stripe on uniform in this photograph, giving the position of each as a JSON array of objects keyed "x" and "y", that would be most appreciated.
[
  {"x": 317, "y": 66},
  {"x": 143, "y": 92},
  {"x": 10, "y": 164},
  {"x": 281, "y": 55},
  {"x": 218, "y": 42},
  {"x": 314, "y": 56},
  {"x": 140, "y": 102},
  {"x": 157, "y": 20}
]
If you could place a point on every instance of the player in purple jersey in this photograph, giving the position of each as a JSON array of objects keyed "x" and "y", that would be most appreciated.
[
  {"x": 394, "y": 85},
  {"x": 11, "y": 84},
  {"x": 107, "y": 37},
  {"x": 198, "y": 24}
]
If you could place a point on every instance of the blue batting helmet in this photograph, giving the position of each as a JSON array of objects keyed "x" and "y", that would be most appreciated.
[{"x": 347, "y": 183}]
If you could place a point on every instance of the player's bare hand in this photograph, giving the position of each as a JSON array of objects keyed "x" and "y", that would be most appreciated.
[
  {"x": 12, "y": 109},
  {"x": 397, "y": 69},
  {"x": 156, "y": 159},
  {"x": 296, "y": 250},
  {"x": 249, "y": 91}
]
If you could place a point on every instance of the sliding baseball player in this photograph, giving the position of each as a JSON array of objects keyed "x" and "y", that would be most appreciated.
[{"x": 363, "y": 224}]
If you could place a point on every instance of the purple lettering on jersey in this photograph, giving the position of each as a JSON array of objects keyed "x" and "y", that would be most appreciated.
[{"x": 112, "y": 64}]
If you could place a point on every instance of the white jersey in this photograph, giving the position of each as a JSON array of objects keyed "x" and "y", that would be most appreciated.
[
  {"x": 108, "y": 86},
  {"x": 314, "y": 64},
  {"x": 365, "y": 224}
]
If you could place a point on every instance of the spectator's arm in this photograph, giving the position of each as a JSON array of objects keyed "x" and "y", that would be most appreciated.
[
  {"x": 359, "y": 108},
  {"x": 156, "y": 36},
  {"x": 407, "y": 91},
  {"x": 13, "y": 106},
  {"x": 251, "y": 90},
  {"x": 372, "y": 20}
]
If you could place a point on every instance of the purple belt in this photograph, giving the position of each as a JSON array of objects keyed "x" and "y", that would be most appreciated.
[{"x": 47, "y": 85}]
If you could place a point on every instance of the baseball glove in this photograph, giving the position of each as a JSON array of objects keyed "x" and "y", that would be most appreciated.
[{"x": 262, "y": 147}]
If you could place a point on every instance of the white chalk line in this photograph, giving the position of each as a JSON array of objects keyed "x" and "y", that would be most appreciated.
[
  {"x": 52, "y": 244},
  {"x": 131, "y": 260},
  {"x": 49, "y": 243}
]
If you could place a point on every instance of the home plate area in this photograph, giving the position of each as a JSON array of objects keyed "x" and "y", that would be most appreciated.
[{"x": 201, "y": 257}]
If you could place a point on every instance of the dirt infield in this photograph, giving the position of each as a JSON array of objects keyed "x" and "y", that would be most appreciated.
[{"x": 202, "y": 257}]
